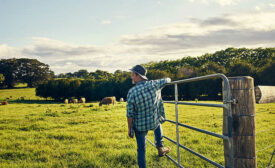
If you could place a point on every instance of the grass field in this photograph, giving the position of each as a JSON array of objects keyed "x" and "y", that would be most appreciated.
[{"x": 39, "y": 133}]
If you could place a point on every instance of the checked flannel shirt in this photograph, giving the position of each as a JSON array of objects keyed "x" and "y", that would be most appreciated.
[{"x": 145, "y": 105}]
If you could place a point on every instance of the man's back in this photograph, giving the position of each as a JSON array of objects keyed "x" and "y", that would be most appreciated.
[{"x": 145, "y": 105}]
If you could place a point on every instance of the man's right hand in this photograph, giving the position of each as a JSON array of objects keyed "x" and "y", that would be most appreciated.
[
  {"x": 130, "y": 130},
  {"x": 130, "y": 134}
]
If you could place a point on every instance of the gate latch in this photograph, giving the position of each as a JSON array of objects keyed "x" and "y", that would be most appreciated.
[{"x": 233, "y": 101}]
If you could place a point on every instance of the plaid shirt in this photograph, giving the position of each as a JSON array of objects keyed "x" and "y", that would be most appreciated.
[{"x": 144, "y": 104}]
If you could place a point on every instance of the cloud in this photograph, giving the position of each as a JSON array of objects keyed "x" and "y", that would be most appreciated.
[
  {"x": 7, "y": 52},
  {"x": 192, "y": 38},
  {"x": 257, "y": 8},
  {"x": 49, "y": 47},
  {"x": 220, "y": 2},
  {"x": 105, "y": 22},
  {"x": 243, "y": 29}
]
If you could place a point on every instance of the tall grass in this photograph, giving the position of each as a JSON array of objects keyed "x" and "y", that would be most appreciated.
[{"x": 43, "y": 134}]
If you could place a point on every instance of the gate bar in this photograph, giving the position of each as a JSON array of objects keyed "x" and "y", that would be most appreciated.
[
  {"x": 200, "y": 78},
  {"x": 226, "y": 106},
  {"x": 198, "y": 104},
  {"x": 195, "y": 153},
  {"x": 169, "y": 157},
  {"x": 177, "y": 123},
  {"x": 200, "y": 130}
]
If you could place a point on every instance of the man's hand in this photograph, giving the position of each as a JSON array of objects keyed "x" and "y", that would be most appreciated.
[
  {"x": 130, "y": 133},
  {"x": 130, "y": 130}
]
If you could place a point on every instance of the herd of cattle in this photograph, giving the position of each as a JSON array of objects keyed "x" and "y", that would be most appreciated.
[{"x": 105, "y": 100}]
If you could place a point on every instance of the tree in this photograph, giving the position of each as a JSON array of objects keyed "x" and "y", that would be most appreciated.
[
  {"x": 33, "y": 72},
  {"x": 9, "y": 68},
  {"x": 212, "y": 68},
  {"x": 186, "y": 72},
  {"x": 242, "y": 69},
  {"x": 2, "y": 79},
  {"x": 83, "y": 73},
  {"x": 267, "y": 74},
  {"x": 99, "y": 74},
  {"x": 157, "y": 74},
  {"x": 29, "y": 71}
]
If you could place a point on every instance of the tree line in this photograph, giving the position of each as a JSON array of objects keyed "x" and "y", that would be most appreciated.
[
  {"x": 23, "y": 70},
  {"x": 258, "y": 63}
]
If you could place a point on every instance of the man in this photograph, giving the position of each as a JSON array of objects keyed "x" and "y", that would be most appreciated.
[{"x": 145, "y": 111}]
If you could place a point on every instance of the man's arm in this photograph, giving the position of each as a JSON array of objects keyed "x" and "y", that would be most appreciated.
[
  {"x": 130, "y": 122},
  {"x": 161, "y": 82},
  {"x": 130, "y": 113}
]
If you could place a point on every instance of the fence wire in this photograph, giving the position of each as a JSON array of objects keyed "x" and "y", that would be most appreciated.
[
  {"x": 264, "y": 149},
  {"x": 266, "y": 130},
  {"x": 267, "y": 147}
]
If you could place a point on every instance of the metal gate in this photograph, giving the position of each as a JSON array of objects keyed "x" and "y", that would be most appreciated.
[{"x": 227, "y": 137}]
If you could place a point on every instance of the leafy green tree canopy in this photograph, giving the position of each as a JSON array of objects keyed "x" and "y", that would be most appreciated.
[
  {"x": 25, "y": 70},
  {"x": 267, "y": 74}
]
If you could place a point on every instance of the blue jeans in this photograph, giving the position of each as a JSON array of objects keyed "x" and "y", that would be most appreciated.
[{"x": 141, "y": 144}]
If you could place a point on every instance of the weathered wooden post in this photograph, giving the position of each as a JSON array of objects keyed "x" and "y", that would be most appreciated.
[{"x": 243, "y": 122}]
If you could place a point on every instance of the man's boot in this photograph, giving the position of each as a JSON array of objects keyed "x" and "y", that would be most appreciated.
[{"x": 163, "y": 151}]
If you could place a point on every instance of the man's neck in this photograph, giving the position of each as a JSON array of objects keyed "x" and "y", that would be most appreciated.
[{"x": 140, "y": 81}]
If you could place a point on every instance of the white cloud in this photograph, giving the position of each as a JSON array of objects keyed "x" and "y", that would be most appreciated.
[
  {"x": 257, "y": 8},
  {"x": 9, "y": 52},
  {"x": 49, "y": 47},
  {"x": 220, "y": 2},
  {"x": 173, "y": 41},
  {"x": 105, "y": 22}
]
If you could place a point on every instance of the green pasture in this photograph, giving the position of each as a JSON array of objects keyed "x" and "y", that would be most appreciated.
[{"x": 39, "y": 133}]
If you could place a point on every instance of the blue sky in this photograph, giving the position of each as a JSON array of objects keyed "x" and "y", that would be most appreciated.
[{"x": 91, "y": 34}]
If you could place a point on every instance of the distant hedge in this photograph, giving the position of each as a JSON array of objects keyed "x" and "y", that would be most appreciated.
[
  {"x": 258, "y": 63},
  {"x": 94, "y": 90}
]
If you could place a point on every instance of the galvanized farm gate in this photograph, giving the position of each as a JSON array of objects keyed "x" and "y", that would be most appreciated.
[{"x": 227, "y": 113}]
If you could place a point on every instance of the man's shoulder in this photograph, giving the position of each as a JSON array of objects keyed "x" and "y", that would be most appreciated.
[{"x": 132, "y": 90}]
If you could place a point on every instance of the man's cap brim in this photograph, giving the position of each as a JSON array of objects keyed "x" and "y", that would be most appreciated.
[{"x": 144, "y": 77}]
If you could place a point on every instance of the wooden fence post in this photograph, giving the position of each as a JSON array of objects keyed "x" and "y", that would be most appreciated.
[{"x": 243, "y": 122}]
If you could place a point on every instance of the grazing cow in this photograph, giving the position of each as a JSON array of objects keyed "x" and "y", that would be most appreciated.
[
  {"x": 121, "y": 99},
  {"x": 4, "y": 103},
  {"x": 107, "y": 100},
  {"x": 75, "y": 101},
  {"x": 22, "y": 98},
  {"x": 83, "y": 100},
  {"x": 114, "y": 98},
  {"x": 66, "y": 101}
]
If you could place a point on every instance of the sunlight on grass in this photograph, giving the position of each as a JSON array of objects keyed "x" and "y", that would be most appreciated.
[{"x": 43, "y": 134}]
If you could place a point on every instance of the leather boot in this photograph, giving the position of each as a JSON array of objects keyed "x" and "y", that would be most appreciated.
[{"x": 163, "y": 151}]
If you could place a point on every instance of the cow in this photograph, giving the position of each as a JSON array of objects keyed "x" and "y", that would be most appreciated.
[
  {"x": 121, "y": 100},
  {"x": 4, "y": 103},
  {"x": 82, "y": 100},
  {"x": 114, "y": 99},
  {"x": 107, "y": 101},
  {"x": 66, "y": 101},
  {"x": 75, "y": 101}
]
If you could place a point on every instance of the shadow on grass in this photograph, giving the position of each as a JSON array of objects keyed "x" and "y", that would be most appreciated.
[
  {"x": 33, "y": 102},
  {"x": 21, "y": 87}
]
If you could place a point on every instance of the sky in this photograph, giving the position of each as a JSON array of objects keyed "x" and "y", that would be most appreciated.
[{"x": 110, "y": 35}]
